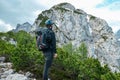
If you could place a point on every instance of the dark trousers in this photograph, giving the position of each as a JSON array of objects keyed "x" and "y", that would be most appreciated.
[{"x": 48, "y": 62}]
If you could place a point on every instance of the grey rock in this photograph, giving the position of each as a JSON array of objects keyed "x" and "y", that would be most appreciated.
[
  {"x": 25, "y": 27},
  {"x": 10, "y": 71},
  {"x": 2, "y": 59},
  {"x": 12, "y": 41},
  {"x": 16, "y": 77},
  {"x": 2, "y": 65},
  {"x": 76, "y": 26},
  {"x": 3, "y": 76},
  {"x": 28, "y": 74},
  {"x": 7, "y": 73}
]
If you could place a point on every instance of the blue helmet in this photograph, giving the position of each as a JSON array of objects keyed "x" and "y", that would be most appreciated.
[{"x": 48, "y": 22}]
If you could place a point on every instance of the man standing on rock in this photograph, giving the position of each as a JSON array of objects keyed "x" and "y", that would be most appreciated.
[{"x": 50, "y": 52}]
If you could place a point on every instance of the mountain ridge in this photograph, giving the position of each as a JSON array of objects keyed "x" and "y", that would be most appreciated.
[
  {"x": 82, "y": 27},
  {"x": 76, "y": 26},
  {"x": 25, "y": 27}
]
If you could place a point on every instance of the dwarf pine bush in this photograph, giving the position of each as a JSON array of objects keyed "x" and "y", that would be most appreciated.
[{"x": 71, "y": 64}]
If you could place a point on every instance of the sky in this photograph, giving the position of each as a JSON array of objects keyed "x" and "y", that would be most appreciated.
[{"x": 13, "y": 12}]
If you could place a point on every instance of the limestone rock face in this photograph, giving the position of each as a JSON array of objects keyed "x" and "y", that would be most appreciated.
[
  {"x": 16, "y": 77},
  {"x": 76, "y": 26},
  {"x": 7, "y": 73},
  {"x": 106, "y": 45},
  {"x": 25, "y": 27}
]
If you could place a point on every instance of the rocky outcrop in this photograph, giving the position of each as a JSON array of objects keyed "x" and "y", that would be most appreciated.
[
  {"x": 7, "y": 73},
  {"x": 76, "y": 26},
  {"x": 25, "y": 27},
  {"x": 106, "y": 45},
  {"x": 10, "y": 40}
]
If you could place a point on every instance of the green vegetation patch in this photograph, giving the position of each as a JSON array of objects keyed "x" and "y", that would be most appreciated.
[
  {"x": 92, "y": 17},
  {"x": 78, "y": 12},
  {"x": 104, "y": 37},
  {"x": 69, "y": 65},
  {"x": 7, "y": 35},
  {"x": 43, "y": 19},
  {"x": 47, "y": 11},
  {"x": 61, "y": 9}
]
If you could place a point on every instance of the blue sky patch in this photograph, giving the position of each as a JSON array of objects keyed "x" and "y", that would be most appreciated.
[{"x": 107, "y": 3}]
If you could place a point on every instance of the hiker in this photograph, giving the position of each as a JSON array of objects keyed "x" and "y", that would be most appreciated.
[{"x": 50, "y": 52}]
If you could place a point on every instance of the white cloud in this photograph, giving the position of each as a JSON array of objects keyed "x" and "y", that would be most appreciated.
[
  {"x": 4, "y": 27},
  {"x": 29, "y": 13}
]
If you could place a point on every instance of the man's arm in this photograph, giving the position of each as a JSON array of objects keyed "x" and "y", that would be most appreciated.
[{"x": 54, "y": 44}]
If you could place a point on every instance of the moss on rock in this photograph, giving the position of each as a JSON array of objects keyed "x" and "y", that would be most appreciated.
[
  {"x": 78, "y": 12},
  {"x": 43, "y": 19},
  {"x": 92, "y": 17}
]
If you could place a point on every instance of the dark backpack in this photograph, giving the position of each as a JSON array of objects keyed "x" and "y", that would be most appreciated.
[{"x": 43, "y": 39}]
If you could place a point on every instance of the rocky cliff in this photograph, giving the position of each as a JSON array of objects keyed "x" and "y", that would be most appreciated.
[
  {"x": 25, "y": 27},
  {"x": 76, "y": 26}
]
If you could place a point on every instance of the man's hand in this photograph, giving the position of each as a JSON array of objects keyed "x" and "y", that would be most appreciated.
[{"x": 55, "y": 55}]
